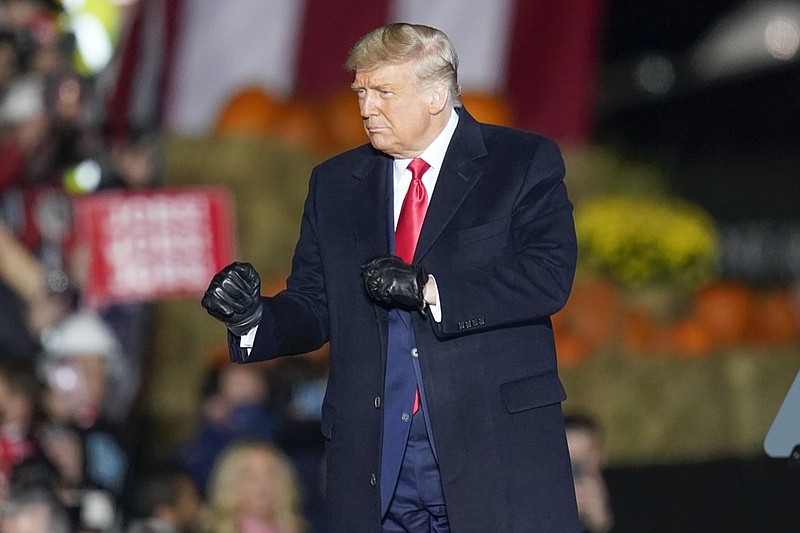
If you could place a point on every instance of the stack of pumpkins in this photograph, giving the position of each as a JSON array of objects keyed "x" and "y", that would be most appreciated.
[
  {"x": 327, "y": 126},
  {"x": 720, "y": 315}
]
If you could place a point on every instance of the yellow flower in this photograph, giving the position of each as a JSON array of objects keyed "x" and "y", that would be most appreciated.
[{"x": 644, "y": 240}]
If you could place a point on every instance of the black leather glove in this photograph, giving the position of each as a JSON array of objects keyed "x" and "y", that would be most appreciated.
[
  {"x": 234, "y": 297},
  {"x": 393, "y": 282}
]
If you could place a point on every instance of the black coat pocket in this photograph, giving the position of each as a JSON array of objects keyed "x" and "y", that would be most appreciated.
[{"x": 533, "y": 391}]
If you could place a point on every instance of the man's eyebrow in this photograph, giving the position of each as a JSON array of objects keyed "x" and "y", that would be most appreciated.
[{"x": 380, "y": 86}]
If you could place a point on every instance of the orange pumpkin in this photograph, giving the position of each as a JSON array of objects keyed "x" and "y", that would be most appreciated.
[
  {"x": 560, "y": 323},
  {"x": 342, "y": 122},
  {"x": 592, "y": 311},
  {"x": 690, "y": 338},
  {"x": 571, "y": 349},
  {"x": 727, "y": 310},
  {"x": 299, "y": 124},
  {"x": 252, "y": 110},
  {"x": 487, "y": 107},
  {"x": 777, "y": 319}
]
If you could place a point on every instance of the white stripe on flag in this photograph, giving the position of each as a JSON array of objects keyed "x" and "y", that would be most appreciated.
[
  {"x": 226, "y": 45},
  {"x": 479, "y": 30}
]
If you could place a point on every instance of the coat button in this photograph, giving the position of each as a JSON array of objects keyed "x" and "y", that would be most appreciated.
[
  {"x": 405, "y": 417},
  {"x": 373, "y": 480},
  {"x": 414, "y": 352},
  {"x": 377, "y": 402}
]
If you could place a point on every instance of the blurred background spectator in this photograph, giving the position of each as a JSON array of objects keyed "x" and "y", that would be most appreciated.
[
  {"x": 253, "y": 489},
  {"x": 86, "y": 389},
  {"x": 19, "y": 409},
  {"x": 59, "y": 469},
  {"x": 34, "y": 511},
  {"x": 165, "y": 500},
  {"x": 234, "y": 406},
  {"x": 587, "y": 453}
]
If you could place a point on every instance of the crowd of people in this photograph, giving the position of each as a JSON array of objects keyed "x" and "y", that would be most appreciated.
[
  {"x": 66, "y": 464},
  {"x": 70, "y": 376}
]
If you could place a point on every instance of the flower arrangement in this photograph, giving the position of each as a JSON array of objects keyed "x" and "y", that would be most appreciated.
[{"x": 639, "y": 241}]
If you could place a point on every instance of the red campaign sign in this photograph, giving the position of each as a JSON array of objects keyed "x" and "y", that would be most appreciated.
[{"x": 165, "y": 243}]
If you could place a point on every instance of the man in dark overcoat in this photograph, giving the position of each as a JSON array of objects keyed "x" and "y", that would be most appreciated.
[{"x": 432, "y": 259}]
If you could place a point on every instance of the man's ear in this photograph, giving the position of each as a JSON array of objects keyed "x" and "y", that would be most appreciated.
[{"x": 438, "y": 98}]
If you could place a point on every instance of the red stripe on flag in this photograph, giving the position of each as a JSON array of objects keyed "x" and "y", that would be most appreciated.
[
  {"x": 329, "y": 30},
  {"x": 117, "y": 105},
  {"x": 552, "y": 66},
  {"x": 172, "y": 19}
]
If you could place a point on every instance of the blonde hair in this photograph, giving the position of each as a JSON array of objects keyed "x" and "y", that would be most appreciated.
[
  {"x": 430, "y": 51},
  {"x": 223, "y": 505}
]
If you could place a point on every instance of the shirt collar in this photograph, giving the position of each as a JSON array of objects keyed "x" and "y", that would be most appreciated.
[{"x": 435, "y": 152}]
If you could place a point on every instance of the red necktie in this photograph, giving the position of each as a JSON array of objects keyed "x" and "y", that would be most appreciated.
[
  {"x": 412, "y": 213},
  {"x": 409, "y": 224}
]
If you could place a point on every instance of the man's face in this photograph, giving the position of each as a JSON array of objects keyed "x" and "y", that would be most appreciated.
[{"x": 399, "y": 117}]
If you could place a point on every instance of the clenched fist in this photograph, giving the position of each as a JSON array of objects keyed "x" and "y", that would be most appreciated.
[
  {"x": 393, "y": 282},
  {"x": 234, "y": 297}
]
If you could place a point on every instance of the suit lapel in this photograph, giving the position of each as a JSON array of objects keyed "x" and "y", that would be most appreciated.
[
  {"x": 370, "y": 212},
  {"x": 459, "y": 174},
  {"x": 370, "y": 207}
]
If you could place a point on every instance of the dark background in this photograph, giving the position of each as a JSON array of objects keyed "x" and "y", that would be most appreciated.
[
  {"x": 732, "y": 146},
  {"x": 731, "y": 496}
]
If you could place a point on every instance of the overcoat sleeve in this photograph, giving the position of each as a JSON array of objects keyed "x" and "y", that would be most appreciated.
[{"x": 295, "y": 320}]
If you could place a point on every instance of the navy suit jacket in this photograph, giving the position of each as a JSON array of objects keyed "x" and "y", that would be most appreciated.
[{"x": 500, "y": 240}]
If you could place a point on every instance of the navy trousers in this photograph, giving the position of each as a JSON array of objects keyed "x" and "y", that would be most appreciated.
[{"x": 418, "y": 502}]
